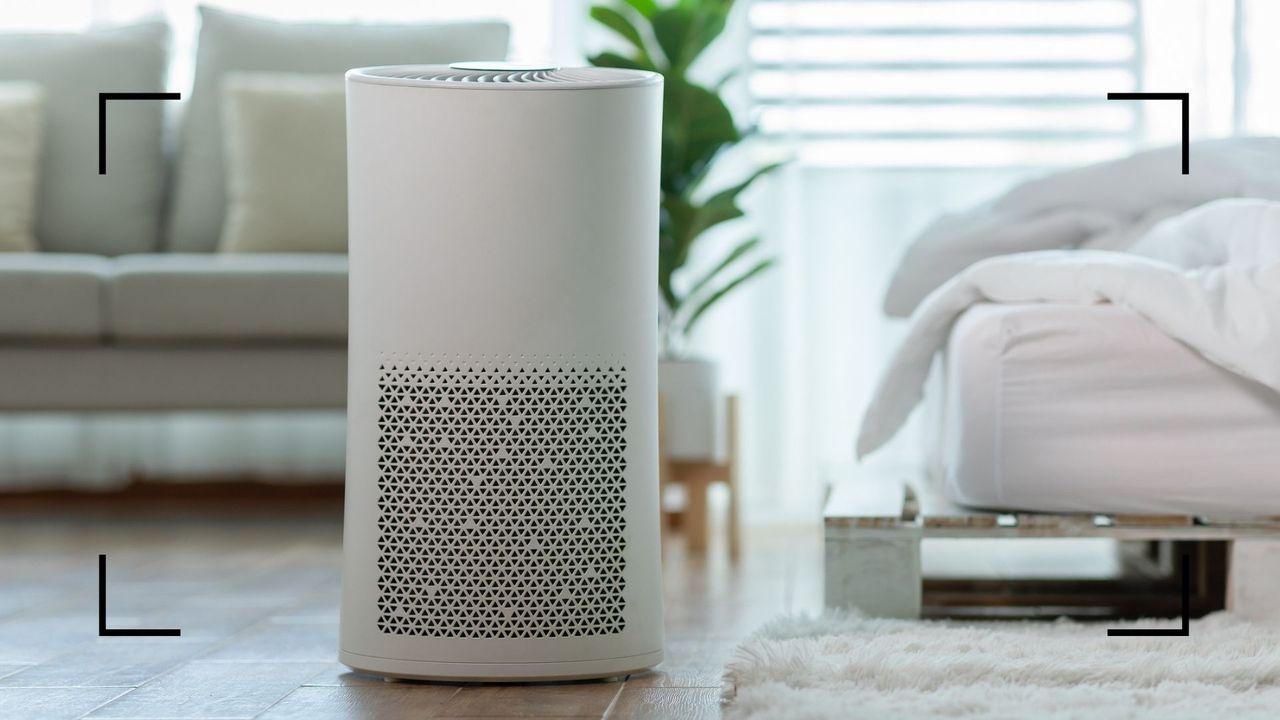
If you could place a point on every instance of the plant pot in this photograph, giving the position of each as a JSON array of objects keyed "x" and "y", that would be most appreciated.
[{"x": 690, "y": 390}]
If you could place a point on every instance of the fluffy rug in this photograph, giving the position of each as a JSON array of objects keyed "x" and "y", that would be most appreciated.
[{"x": 846, "y": 666}]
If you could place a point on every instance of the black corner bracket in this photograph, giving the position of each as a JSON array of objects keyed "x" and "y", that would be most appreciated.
[
  {"x": 104, "y": 631},
  {"x": 1185, "y": 630},
  {"x": 1186, "y": 117},
  {"x": 102, "y": 117}
]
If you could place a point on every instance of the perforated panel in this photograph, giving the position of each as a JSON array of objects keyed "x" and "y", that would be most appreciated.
[
  {"x": 550, "y": 78},
  {"x": 501, "y": 507}
]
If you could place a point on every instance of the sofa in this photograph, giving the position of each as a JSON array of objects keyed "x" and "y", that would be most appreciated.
[
  {"x": 152, "y": 331},
  {"x": 127, "y": 302}
]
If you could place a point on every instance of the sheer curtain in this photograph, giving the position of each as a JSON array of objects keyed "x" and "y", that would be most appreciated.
[
  {"x": 803, "y": 346},
  {"x": 103, "y": 451}
]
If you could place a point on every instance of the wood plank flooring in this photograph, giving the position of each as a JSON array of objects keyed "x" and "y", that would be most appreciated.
[{"x": 257, "y": 601}]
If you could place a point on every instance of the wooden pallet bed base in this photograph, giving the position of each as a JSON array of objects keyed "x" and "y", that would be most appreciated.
[
  {"x": 874, "y": 528},
  {"x": 1131, "y": 596}
]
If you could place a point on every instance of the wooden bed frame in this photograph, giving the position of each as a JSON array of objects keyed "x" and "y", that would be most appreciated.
[{"x": 874, "y": 527}]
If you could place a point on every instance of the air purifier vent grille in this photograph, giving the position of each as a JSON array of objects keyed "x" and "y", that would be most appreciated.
[
  {"x": 447, "y": 76},
  {"x": 501, "y": 500}
]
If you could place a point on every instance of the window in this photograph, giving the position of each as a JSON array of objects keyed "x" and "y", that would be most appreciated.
[{"x": 956, "y": 83}]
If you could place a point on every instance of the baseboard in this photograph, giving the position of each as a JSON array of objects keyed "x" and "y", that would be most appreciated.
[{"x": 232, "y": 496}]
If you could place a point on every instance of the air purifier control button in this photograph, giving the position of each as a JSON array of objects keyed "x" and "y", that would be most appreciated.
[{"x": 500, "y": 66}]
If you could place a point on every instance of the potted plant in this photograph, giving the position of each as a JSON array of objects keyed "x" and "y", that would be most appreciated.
[{"x": 696, "y": 128}]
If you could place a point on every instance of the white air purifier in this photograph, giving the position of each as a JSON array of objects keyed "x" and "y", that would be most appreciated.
[{"x": 502, "y": 494}]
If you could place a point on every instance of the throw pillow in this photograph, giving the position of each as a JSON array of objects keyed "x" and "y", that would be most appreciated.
[
  {"x": 286, "y": 163},
  {"x": 20, "y": 117},
  {"x": 235, "y": 43},
  {"x": 80, "y": 210}
]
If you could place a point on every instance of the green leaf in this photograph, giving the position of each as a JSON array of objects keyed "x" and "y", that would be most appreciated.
[
  {"x": 669, "y": 37},
  {"x": 614, "y": 60},
  {"x": 665, "y": 287},
  {"x": 618, "y": 23},
  {"x": 724, "y": 5},
  {"x": 726, "y": 79},
  {"x": 725, "y": 290},
  {"x": 645, "y": 7},
  {"x": 683, "y": 31},
  {"x": 723, "y": 206},
  {"x": 676, "y": 219},
  {"x": 737, "y": 252},
  {"x": 695, "y": 125}
]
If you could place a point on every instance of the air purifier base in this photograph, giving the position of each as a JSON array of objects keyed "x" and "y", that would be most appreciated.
[{"x": 499, "y": 672}]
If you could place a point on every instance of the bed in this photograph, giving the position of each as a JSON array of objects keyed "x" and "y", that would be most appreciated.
[{"x": 1089, "y": 408}]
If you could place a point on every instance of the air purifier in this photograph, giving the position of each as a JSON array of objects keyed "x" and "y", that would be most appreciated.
[{"x": 502, "y": 497}]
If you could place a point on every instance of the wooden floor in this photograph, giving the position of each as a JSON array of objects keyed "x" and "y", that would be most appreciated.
[{"x": 257, "y": 599}]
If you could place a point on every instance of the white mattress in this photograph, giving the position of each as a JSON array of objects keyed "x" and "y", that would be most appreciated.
[{"x": 1091, "y": 409}]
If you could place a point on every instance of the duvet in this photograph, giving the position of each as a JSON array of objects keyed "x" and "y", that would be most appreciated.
[{"x": 1209, "y": 277}]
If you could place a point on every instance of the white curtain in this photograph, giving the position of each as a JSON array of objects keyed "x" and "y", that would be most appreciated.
[
  {"x": 803, "y": 344},
  {"x": 101, "y": 451}
]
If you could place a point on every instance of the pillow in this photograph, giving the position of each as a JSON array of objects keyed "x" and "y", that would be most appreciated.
[
  {"x": 236, "y": 43},
  {"x": 20, "y": 117},
  {"x": 286, "y": 163},
  {"x": 78, "y": 210}
]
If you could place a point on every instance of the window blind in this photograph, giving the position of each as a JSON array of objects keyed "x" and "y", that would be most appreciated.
[{"x": 947, "y": 83}]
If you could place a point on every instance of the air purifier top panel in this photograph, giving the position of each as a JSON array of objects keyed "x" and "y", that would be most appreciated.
[
  {"x": 500, "y": 66},
  {"x": 502, "y": 76}
]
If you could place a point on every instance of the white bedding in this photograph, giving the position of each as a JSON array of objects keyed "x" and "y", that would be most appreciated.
[
  {"x": 1106, "y": 206},
  {"x": 1209, "y": 278},
  {"x": 1090, "y": 408}
]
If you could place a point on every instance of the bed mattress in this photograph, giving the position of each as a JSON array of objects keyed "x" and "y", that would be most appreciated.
[{"x": 1092, "y": 409}]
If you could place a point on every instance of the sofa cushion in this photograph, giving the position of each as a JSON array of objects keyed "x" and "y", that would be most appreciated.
[
  {"x": 153, "y": 377},
  {"x": 286, "y": 163},
  {"x": 251, "y": 297},
  {"x": 21, "y": 111},
  {"x": 79, "y": 210},
  {"x": 51, "y": 296},
  {"x": 229, "y": 43}
]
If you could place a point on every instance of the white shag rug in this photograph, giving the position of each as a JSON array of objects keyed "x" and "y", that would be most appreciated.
[{"x": 847, "y": 666}]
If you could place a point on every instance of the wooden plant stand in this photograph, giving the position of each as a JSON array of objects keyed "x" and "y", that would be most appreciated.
[
  {"x": 697, "y": 477},
  {"x": 873, "y": 529}
]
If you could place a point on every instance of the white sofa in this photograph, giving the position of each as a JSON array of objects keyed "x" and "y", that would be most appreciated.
[{"x": 128, "y": 305}]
